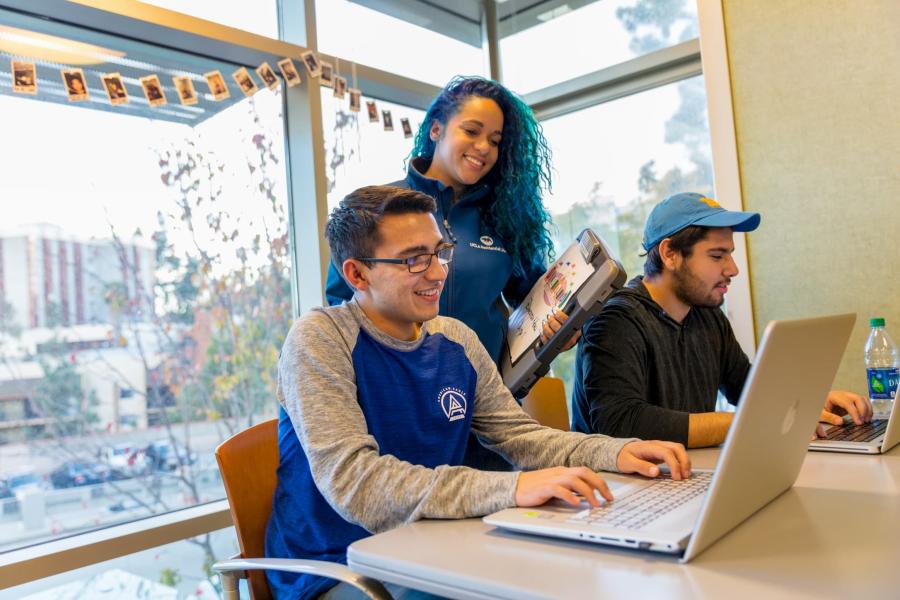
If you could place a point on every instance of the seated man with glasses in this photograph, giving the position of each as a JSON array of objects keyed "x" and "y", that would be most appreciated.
[{"x": 378, "y": 396}]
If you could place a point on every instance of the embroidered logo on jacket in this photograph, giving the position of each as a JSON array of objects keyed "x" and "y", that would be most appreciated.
[
  {"x": 453, "y": 403},
  {"x": 487, "y": 243}
]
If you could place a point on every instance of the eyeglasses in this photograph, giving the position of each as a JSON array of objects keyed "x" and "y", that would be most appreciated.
[{"x": 420, "y": 262}]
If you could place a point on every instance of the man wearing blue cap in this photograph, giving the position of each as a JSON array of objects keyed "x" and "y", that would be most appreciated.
[{"x": 651, "y": 364}]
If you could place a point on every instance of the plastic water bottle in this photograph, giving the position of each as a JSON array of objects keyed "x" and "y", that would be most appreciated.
[{"x": 881, "y": 366}]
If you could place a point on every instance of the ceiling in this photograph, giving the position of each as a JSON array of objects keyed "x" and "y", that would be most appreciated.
[{"x": 55, "y": 46}]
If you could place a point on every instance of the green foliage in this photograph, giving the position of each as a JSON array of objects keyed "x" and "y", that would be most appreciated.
[
  {"x": 170, "y": 577},
  {"x": 233, "y": 291},
  {"x": 8, "y": 322},
  {"x": 659, "y": 17},
  {"x": 208, "y": 562},
  {"x": 652, "y": 25},
  {"x": 59, "y": 393},
  {"x": 564, "y": 368}
]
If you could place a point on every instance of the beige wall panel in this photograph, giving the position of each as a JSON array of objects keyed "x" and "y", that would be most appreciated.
[{"x": 816, "y": 91}]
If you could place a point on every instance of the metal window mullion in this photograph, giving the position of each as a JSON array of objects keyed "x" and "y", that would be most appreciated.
[
  {"x": 637, "y": 75},
  {"x": 305, "y": 158},
  {"x": 35, "y": 562},
  {"x": 490, "y": 42}
]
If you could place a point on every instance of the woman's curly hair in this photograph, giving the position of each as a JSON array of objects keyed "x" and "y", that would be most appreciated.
[{"x": 523, "y": 166}]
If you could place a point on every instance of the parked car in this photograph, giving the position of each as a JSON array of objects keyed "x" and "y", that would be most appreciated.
[
  {"x": 74, "y": 473},
  {"x": 125, "y": 460},
  {"x": 21, "y": 480},
  {"x": 161, "y": 455}
]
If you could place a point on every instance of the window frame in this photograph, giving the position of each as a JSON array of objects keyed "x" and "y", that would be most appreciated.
[{"x": 67, "y": 553}]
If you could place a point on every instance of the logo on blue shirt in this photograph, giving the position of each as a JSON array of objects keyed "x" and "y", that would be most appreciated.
[{"x": 453, "y": 403}]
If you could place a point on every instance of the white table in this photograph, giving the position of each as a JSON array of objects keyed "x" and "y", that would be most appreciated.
[{"x": 835, "y": 534}]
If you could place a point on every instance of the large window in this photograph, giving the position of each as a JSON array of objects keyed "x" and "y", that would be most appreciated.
[
  {"x": 542, "y": 43},
  {"x": 360, "y": 151},
  {"x": 426, "y": 41},
  {"x": 144, "y": 278},
  {"x": 615, "y": 161}
]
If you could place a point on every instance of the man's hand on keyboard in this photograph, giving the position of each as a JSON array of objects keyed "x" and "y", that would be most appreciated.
[
  {"x": 840, "y": 404},
  {"x": 537, "y": 487},
  {"x": 642, "y": 457}
]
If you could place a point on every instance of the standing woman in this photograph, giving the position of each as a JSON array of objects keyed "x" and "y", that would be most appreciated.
[{"x": 481, "y": 154}]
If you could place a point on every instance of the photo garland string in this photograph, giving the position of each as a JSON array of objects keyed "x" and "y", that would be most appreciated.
[
  {"x": 24, "y": 81},
  {"x": 339, "y": 86},
  {"x": 355, "y": 96}
]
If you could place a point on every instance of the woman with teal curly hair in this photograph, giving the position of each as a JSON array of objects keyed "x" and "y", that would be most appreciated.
[
  {"x": 481, "y": 154},
  {"x": 522, "y": 166}
]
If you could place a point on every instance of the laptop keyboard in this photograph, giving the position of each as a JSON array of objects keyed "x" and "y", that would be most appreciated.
[
  {"x": 646, "y": 504},
  {"x": 857, "y": 433}
]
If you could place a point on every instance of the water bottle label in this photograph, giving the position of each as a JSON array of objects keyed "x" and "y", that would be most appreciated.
[{"x": 883, "y": 383}]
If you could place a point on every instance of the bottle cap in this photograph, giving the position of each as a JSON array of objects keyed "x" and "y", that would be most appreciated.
[{"x": 876, "y": 322}]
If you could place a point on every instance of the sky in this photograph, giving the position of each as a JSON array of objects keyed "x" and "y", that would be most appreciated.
[
  {"x": 79, "y": 169},
  {"x": 87, "y": 172}
]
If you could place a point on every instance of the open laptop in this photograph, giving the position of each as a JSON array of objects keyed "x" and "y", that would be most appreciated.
[
  {"x": 876, "y": 437},
  {"x": 761, "y": 457}
]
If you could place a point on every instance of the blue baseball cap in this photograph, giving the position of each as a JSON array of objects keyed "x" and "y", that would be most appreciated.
[{"x": 682, "y": 210}]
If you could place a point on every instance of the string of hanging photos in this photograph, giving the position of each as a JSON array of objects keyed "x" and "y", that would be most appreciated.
[{"x": 24, "y": 81}]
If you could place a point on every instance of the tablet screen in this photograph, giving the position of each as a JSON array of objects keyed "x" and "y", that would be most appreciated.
[{"x": 552, "y": 291}]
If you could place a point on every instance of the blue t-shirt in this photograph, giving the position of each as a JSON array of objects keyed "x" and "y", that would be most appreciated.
[{"x": 431, "y": 430}]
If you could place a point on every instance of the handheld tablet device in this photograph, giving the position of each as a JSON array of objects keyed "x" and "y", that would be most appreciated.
[{"x": 578, "y": 283}]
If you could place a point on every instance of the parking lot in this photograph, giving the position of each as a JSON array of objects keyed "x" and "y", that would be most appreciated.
[{"x": 38, "y": 510}]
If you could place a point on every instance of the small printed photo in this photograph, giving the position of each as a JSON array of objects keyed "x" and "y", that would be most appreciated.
[
  {"x": 388, "y": 121},
  {"x": 313, "y": 67},
  {"x": 244, "y": 81},
  {"x": 76, "y": 86},
  {"x": 24, "y": 78},
  {"x": 268, "y": 76},
  {"x": 115, "y": 88},
  {"x": 289, "y": 72},
  {"x": 217, "y": 86},
  {"x": 355, "y": 95},
  {"x": 326, "y": 74},
  {"x": 340, "y": 86},
  {"x": 372, "y": 110},
  {"x": 407, "y": 130},
  {"x": 185, "y": 88},
  {"x": 153, "y": 90}
]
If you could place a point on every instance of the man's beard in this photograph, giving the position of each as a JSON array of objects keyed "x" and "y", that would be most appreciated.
[{"x": 690, "y": 290}]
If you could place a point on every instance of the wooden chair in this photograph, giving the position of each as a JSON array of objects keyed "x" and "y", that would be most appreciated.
[
  {"x": 546, "y": 403},
  {"x": 248, "y": 462}
]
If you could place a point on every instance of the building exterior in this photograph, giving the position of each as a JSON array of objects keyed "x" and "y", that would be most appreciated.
[
  {"x": 49, "y": 279},
  {"x": 111, "y": 372},
  {"x": 67, "y": 299}
]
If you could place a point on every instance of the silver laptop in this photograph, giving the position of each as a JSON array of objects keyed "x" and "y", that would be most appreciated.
[
  {"x": 876, "y": 437},
  {"x": 761, "y": 457}
]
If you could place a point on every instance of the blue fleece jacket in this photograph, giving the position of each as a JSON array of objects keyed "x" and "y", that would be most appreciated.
[{"x": 481, "y": 270}]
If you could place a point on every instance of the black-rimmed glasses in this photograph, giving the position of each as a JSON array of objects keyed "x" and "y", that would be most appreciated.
[{"x": 420, "y": 262}]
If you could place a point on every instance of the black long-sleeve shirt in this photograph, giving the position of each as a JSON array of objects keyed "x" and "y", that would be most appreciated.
[{"x": 640, "y": 373}]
